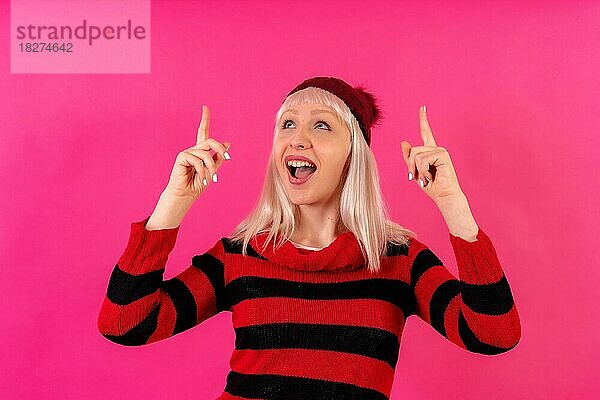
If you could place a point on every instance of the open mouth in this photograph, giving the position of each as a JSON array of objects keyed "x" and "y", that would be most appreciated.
[{"x": 300, "y": 174}]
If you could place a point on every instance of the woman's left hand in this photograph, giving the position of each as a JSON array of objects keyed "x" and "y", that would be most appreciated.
[{"x": 430, "y": 165}]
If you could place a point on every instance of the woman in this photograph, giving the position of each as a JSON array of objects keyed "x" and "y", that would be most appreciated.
[{"x": 319, "y": 282}]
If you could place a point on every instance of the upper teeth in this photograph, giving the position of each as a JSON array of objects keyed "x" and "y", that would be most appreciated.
[{"x": 297, "y": 164}]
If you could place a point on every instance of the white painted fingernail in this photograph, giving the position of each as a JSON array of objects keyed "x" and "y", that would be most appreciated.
[
  {"x": 421, "y": 182},
  {"x": 410, "y": 176},
  {"x": 226, "y": 155},
  {"x": 204, "y": 181},
  {"x": 424, "y": 108},
  {"x": 215, "y": 177}
]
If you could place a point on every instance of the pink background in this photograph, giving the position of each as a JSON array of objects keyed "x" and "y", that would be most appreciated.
[
  {"x": 510, "y": 88},
  {"x": 102, "y": 56}
]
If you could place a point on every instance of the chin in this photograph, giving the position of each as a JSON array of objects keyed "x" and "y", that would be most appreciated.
[
  {"x": 297, "y": 196},
  {"x": 299, "y": 201}
]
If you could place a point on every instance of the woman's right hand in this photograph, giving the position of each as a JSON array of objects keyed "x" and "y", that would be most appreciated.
[{"x": 195, "y": 167}]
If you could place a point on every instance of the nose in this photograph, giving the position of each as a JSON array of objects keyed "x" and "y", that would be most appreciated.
[{"x": 299, "y": 139}]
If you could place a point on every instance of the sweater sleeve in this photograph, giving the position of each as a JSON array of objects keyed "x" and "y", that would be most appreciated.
[
  {"x": 140, "y": 307},
  {"x": 476, "y": 312}
]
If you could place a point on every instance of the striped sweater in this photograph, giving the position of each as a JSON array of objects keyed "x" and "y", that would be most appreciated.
[{"x": 310, "y": 324}]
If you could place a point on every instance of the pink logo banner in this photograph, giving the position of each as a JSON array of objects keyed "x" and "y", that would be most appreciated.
[{"x": 82, "y": 36}]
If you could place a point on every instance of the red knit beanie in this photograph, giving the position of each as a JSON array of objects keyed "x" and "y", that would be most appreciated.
[{"x": 359, "y": 101}]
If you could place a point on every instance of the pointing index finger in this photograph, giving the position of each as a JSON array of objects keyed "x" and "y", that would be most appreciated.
[
  {"x": 426, "y": 132},
  {"x": 204, "y": 124}
]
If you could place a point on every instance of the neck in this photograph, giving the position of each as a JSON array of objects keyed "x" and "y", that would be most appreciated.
[{"x": 317, "y": 225}]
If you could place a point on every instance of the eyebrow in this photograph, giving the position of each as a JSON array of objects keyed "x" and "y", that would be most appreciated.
[{"x": 313, "y": 112}]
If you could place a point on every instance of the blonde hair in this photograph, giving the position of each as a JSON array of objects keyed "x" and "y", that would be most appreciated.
[{"x": 362, "y": 208}]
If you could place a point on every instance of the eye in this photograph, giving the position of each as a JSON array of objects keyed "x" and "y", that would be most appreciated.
[
  {"x": 284, "y": 125},
  {"x": 324, "y": 123}
]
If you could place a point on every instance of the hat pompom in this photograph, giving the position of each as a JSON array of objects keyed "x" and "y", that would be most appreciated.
[{"x": 373, "y": 109}]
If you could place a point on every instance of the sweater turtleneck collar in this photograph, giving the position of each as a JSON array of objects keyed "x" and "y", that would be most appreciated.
[{"x": 342, "y": 254}]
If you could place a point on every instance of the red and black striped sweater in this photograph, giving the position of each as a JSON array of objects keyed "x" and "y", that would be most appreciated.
[{"x": 310, "y": 324}]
